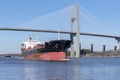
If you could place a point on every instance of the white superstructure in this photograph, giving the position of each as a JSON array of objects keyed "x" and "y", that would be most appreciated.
[{"x": 31, "y": 43}]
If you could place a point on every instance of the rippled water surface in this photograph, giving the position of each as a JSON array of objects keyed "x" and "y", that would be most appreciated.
[{"x": 75, "y": 69}]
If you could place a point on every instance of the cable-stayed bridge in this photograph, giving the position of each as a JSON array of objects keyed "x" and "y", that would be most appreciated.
[{"x": 71, "y": 33}]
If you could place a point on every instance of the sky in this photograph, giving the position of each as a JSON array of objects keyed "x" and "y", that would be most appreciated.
[{"x": 54, "y": 14}]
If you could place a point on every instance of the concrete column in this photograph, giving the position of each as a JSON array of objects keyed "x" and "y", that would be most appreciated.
[
  {"x": 104, "y": 48},
  {"x": 115, "y": 48},
  {"x": 71, "y": 29},
  {"x": 118, "y": 45},
  {"x": 92, "y": 48},
  {"x": 78, "y": 32},
  {"x": 72, "y": 46},
  {"x": 80, "y": 46}
]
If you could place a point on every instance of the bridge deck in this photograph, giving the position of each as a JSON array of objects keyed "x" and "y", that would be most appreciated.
[{"x": 54, "y": 31}]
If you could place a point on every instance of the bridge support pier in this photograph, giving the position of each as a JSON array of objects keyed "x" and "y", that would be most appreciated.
[
  {"x": 115, "y": 48},
  {"x": 104, "y": 48},
  {"x": 118, "y": 44},
  {"x": 92, "y": 48},
  {"x": 72, "y": 46}
]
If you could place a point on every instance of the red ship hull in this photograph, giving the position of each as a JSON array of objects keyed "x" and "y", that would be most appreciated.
[{"x": 47, "y": 56}]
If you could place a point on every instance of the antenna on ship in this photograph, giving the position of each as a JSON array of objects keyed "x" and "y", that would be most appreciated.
[
  {"x": 58, "y": 34},
  {"x": 31, "y": 37}
]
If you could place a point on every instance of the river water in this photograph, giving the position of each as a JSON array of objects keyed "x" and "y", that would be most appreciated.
[{"x": 75, "y": 69}]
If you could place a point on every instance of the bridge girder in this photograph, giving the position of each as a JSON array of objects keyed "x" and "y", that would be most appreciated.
[{"x": 56, "y": 31}]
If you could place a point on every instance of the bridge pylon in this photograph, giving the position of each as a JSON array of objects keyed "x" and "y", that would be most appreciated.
[
  {"x": 77, "y": 55},
  {"x": 71, "y": 30}
]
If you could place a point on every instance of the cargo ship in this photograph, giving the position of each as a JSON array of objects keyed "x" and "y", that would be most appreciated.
[{"x": 54, "y": 50}]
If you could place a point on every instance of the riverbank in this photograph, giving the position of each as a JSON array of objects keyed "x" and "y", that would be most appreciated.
[{"x": 102, "y": 54}]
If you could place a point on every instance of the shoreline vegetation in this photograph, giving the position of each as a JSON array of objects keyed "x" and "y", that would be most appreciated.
[
  {"x": 102, "y": 54},
  {"x": 88, "y": 53}
]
